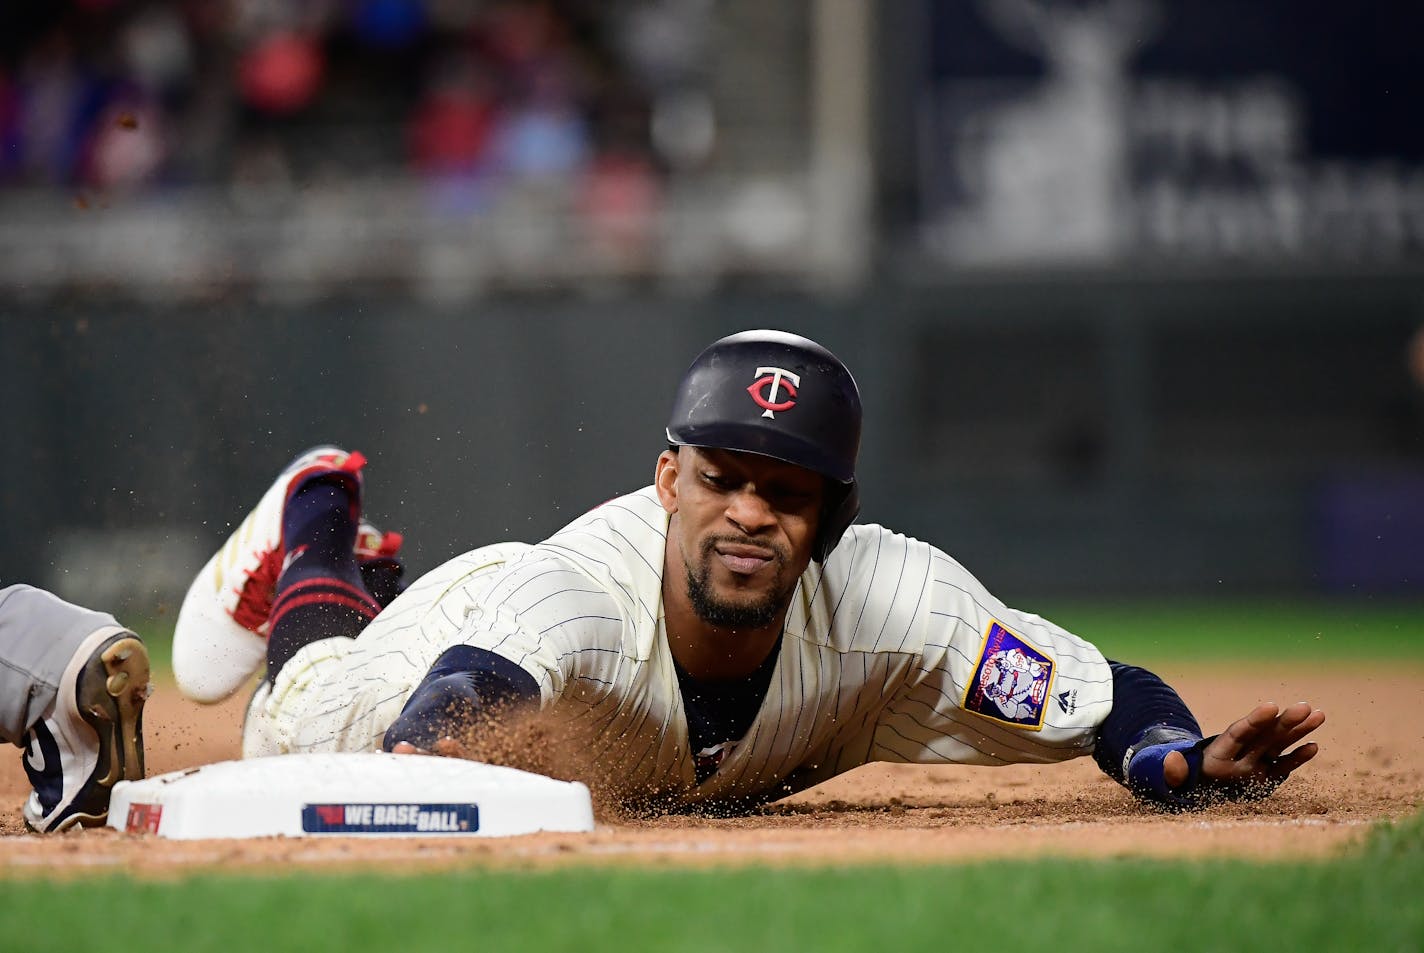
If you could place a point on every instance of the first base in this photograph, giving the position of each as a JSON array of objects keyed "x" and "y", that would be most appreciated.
[{"x": 304, "y": 795}]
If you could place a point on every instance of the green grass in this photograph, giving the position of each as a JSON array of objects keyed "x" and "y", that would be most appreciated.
[
  {"x": 1285, "y": 630},
  {"x": 157, "y": 636},
  {"x": 1366, "y": 901}
]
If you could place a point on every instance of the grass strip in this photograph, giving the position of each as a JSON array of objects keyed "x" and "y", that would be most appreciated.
[
  {"x": 1287, "y": 630},
  {"x": 1367, "y": 900}
]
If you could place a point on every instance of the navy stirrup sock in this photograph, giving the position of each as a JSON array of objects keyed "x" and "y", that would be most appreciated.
[
  {"x": 319, "y": 592},
  {"x": 383, "y": 579}
]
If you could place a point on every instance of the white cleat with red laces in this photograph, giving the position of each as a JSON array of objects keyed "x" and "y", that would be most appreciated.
[
  {"x": 373, "y": 545},
  {"x": 220, "y": 640}
]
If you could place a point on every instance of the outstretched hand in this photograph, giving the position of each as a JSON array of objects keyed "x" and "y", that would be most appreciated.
[{"x": 1250, "y": 756}]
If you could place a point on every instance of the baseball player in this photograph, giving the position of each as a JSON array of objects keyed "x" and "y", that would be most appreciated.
[
  {"x": 73, "y": 683},
  {"x": 722, "y": 637}
]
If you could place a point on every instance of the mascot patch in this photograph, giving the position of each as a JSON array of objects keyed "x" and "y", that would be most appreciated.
[{"x": 1011, "y": 681}]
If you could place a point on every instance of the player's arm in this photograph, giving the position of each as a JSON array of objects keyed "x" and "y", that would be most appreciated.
[
  {"x": 539, "y": 626},
  {"x": 1151, "y": 744},
  {"x": 465, "y": 685}
]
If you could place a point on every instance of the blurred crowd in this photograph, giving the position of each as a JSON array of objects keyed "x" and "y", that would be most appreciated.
[{"x": 124, "y": 96}]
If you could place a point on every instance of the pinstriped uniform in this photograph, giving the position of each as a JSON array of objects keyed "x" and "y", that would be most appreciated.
[{"x": 882, "y": 646}]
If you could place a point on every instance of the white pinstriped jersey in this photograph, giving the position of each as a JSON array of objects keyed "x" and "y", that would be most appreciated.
[{"x": 891, "y": 651}]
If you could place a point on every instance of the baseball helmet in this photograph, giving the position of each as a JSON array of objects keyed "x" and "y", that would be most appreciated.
[{"x": 782, "y": 396}]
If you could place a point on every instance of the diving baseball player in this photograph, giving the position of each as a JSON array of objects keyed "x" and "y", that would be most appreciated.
[{"x": 722, "y": 637}]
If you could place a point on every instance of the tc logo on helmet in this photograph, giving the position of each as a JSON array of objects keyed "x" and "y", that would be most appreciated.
[{"x": 769, "y": 386}]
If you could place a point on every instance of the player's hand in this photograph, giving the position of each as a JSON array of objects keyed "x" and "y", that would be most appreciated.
[
  {"x": 437, "y": 712},
  {"x": 445, "y": 747},
  {"x": 1249, "y": 759}
]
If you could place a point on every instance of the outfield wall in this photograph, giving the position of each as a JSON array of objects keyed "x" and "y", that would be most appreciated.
[{"x": 1112, "y": 433}]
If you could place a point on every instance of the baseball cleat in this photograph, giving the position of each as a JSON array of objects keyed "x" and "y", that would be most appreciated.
[
  {"x": 372, "y": 544},
  {"x": 220, "y": 639},
  {"x": 91, "y": 738}
]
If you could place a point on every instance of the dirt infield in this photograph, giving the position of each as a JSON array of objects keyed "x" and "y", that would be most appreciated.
[{"x": 1371, "y": 767}]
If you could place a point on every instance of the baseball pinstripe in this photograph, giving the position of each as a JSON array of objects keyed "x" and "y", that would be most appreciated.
[{"x": 883, "y": 642}]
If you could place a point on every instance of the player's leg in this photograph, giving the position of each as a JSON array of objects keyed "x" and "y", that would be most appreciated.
[
  {"x": 282, "y": 579},
  {"x": 72, "y": 689},
  {"x": 378, "y": 555},
  {"x": 320, "y": 593},
  {"x": 341, "y": 694}
]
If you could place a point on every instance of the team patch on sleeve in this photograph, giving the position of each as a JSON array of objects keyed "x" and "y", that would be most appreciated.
[{"x": 1010, "y": 681}]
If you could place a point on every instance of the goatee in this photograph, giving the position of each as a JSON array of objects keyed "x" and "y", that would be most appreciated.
[{"x": 735, "y": 615}]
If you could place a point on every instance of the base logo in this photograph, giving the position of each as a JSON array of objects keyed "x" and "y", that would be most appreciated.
[
  {"x": 143, "y": 818},
  {"x": 390, "y": 818},
  {"x": 1011, "y": 681}
]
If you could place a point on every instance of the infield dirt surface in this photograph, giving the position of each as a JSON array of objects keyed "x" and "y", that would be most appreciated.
[{"x": 1370, "y": 768}]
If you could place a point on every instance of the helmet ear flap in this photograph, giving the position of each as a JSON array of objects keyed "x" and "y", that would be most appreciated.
[{"x": 841, "y": 509}]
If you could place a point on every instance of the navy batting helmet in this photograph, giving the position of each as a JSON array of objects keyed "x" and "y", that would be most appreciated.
[{"x": 782, "y": 396}]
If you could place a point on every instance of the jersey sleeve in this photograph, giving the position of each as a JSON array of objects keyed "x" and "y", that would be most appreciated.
[
  {"x": 553, "y": 622},
  {"x": 992, "y": 685}
]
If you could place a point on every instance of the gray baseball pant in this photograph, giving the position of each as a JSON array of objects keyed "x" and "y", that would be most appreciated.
[{"x": 39, "y": 634}]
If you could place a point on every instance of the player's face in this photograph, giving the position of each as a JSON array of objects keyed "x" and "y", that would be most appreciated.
[{"x": 744, "y": 526}]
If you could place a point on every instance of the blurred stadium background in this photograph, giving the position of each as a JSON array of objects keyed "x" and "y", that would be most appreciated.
[{"x": 1134, "y": 288}]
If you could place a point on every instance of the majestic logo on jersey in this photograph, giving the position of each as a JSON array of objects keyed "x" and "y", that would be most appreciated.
[
  {"x": 774, "y": 390},
  {"x": 1011, "y": 680}
]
